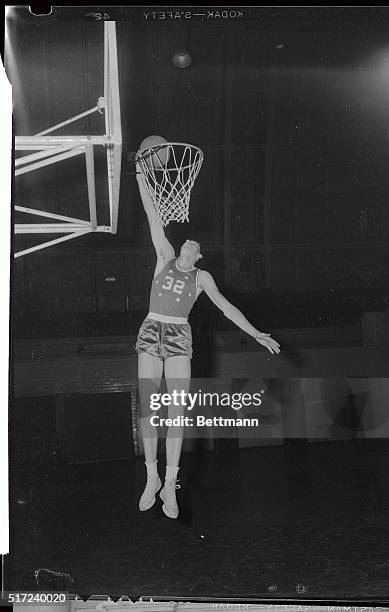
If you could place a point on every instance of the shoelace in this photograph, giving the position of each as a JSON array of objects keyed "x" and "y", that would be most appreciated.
[{"x": 173, "y": 483}]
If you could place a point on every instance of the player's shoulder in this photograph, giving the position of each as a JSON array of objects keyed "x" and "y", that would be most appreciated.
[{"x": 204, "y": 276}]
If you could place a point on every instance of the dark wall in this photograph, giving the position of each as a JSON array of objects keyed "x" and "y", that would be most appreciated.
[{"x": 290, "y": 205}]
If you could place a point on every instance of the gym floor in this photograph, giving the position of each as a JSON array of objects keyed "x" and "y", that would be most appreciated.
[{"x": 296, "y": 520}]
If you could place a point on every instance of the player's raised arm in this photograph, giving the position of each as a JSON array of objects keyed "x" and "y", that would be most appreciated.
[
  {"x": 230, "y": 311},
  {"x": 163, "y": 248}
]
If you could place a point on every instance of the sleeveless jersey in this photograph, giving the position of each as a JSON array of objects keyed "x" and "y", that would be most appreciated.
[{"x": 173, "y": 292}]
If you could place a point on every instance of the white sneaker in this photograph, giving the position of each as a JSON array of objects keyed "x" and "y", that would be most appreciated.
[
  {"x": 152, "y": 487},
  {"x": 168, "y": 496}
]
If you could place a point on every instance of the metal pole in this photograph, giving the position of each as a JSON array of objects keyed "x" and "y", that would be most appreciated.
[
  {"x": 33, "y": 147},
  {"x": 113, "y": 121},
  {"x": 42, "y": 154},
  {"x": 47, "y": 228},
  {"x": 51, "y": 160},
  {"x": 58, "y": 140},
  {"x": 55, "y": 127},
  {"x": 42, "y": 213},
  {"x": 90, "y": 176},
  {"x": 106, "y": 77},
  {"x": 50, "y": 243},
  {"x": 113, "y": 85}
]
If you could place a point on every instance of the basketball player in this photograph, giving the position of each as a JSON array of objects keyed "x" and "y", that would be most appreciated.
[{"x": 164, "y": 344}]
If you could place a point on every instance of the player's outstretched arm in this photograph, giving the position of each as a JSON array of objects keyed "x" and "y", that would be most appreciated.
[
  {"x": 230, "y": 311},
  {"x": 163, "y": 248}
]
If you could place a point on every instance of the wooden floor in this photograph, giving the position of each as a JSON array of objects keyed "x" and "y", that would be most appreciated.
[{"x": 298, "y": 520}]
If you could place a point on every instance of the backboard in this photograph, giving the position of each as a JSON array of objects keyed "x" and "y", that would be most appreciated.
[{"x": 50, "y": 149}]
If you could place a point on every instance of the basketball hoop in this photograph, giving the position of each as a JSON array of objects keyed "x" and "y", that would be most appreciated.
[{"x": 170, "y": 171}]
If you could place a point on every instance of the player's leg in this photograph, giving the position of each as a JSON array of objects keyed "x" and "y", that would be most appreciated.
[
  {"x": 177, "y": 374},
  {"x": 149, "y": 373},
  {"x": 150, "y": 370}
]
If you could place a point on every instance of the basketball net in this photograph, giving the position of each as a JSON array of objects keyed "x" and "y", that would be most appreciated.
[{"x": 170, "y": 171}]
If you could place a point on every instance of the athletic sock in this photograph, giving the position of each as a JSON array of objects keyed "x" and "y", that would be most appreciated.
[
  {"x": 151, "y": 469},
  {"x": 171, "y": 472}
]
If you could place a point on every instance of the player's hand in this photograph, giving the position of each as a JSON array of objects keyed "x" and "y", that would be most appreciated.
[{"x": 268, "y": 342}]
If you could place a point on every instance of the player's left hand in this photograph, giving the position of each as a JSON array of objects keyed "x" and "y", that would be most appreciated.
[{"x": 268, "y": 342}]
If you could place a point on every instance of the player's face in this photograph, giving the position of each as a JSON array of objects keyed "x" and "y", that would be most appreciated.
[{"x": 192, "y": 248}]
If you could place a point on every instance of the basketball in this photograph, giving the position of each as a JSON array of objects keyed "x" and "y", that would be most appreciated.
[{"x": 160, "y": 157}]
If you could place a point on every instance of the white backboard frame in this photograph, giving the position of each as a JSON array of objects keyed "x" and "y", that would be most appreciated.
[{"x": 51, "y": 149}]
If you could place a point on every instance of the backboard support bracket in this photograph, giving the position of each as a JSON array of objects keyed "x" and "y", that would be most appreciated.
[{"x": 51, "y": 149}]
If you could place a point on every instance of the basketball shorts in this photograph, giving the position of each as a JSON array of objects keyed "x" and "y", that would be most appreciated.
[{"x": 164, "y": 340}]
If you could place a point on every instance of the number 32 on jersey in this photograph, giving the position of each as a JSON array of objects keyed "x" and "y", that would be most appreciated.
[{"x": 177, "y": 287}]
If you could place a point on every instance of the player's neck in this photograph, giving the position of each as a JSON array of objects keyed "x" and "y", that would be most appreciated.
[{"x": 184, "y": 263}]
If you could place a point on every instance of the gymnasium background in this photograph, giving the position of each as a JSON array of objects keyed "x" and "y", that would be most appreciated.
[
  {"x": 290, "y": 207},
  {"x": 291, "y": 109}
]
